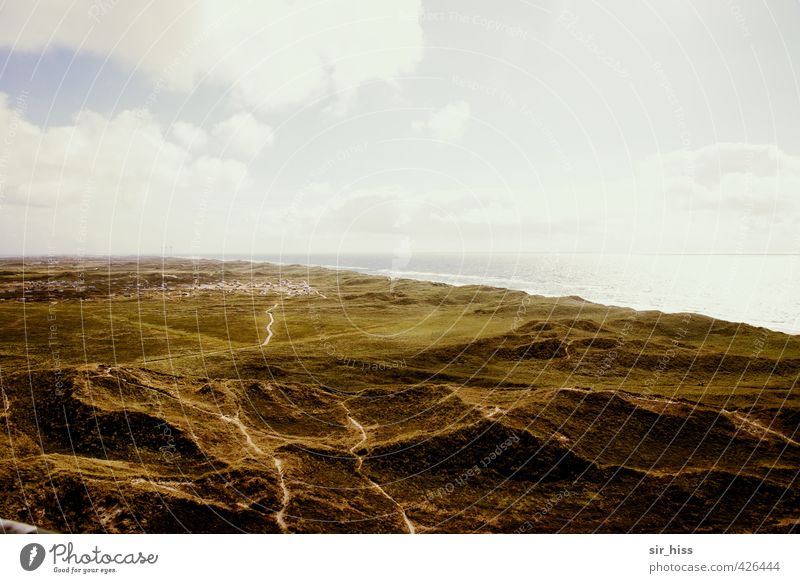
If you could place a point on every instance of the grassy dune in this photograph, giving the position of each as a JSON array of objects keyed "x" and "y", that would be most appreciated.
[{"x": 137, "y": 396}]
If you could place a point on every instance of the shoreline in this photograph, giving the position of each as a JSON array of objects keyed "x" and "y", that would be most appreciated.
[
  {"x": 453, "y": 280},
  {"x": 372, "y": 381},
  {"x": 507, "y": 284}
]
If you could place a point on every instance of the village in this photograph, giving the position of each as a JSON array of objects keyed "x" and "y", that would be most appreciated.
[
  {"x": 284, "y": 287},
  {"x": 42, "y": 288}
]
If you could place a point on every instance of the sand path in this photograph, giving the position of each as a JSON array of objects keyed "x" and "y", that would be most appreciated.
[
  {"x": 269, "y": 326},
  {"x": 360, "y": 462},
  {"x": 281, "y": 516}
]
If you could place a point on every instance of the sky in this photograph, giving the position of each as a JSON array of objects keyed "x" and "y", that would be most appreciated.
[{"x": 341, "y": 126}]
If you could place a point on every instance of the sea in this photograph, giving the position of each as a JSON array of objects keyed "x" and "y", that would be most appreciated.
[{"x": 762, "y": 290}]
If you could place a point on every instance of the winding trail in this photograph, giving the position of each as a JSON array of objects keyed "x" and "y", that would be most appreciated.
[
  {"x": 281, "y": 516},
  {"x": 753, "y": 427},
  {"x": 269, "y": 326},
  {"x": 360, "y": 463},
  {"x": 243, "y": 429},
  {"x": 489, "y": 413},
  {"x": 353, "y": 449}
]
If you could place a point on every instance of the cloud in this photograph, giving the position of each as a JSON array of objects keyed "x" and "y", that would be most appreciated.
[
  {"x": 127, "y": 158},
  {"x": 243, "y": 134},
  {"x": 190, "y": 136},
  {"x": 447, "y": 124},
  {"x": 755, "y": 179},
  {"x": 392, "y": 218},
  {"x": 723, "y": 197},
  {"x": 268, "y": 53},
  {"x": 240, "y": 135}
]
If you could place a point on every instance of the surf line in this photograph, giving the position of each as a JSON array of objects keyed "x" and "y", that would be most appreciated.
[{"x": 269, "y": 326}]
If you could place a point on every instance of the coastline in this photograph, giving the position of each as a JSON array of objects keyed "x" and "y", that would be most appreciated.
[
  {"x": 455, "y": 280},
  {"x": 533, "y": 288},
  {"x": 346, "y": 402},
  {"x": 567, "y": 290}
]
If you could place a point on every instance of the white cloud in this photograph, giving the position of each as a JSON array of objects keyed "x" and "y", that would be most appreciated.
[
  {"x": 126, "y": 158},
  {"x": 190, "y": 136},
  {"x": 751, "y": 179},
  {"x": 240, "y": 135},
  {"x": 269, "y": 53},
  {"x": 720, "y": 198},
  {"x": 447, "y": 124},
  {"x": 243, "y": 134},
  {"x": 393, "y": 219},
  {"x": 724, "y": 197}
]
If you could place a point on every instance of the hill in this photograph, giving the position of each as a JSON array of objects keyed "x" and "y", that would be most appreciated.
[{"x": 143, "y": 396}]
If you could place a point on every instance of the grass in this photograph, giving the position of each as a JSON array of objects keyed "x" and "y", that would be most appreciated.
[{"x": 146, "y": 409}]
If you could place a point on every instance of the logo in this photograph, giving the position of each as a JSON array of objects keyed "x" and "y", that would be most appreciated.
[{"x": 31, "y": 556}]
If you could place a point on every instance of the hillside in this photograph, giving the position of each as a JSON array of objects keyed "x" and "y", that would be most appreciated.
[{"x": 173, "y": 396}]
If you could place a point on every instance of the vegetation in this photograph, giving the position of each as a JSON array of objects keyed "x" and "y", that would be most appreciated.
[{"x": 137, "y": 395}]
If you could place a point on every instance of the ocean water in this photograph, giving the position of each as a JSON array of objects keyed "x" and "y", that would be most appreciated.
[{"x": 763, "y": 290}]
